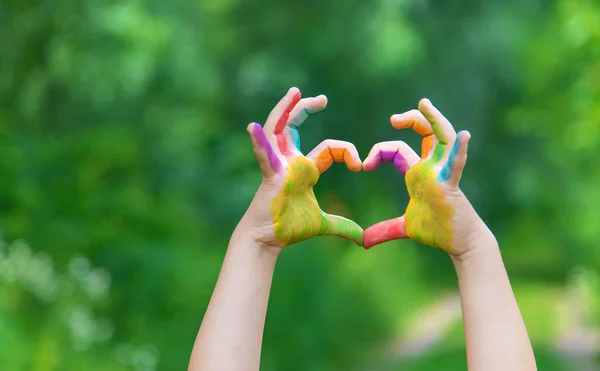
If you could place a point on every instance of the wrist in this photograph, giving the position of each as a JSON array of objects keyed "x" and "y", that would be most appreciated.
[
  {"x": 255, "y": 237},
  {"x": 480, "y": 243},
  {"x": 481, "y": 262}
]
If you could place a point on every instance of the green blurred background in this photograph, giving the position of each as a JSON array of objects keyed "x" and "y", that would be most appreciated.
[{"x": 125, "y": 166}]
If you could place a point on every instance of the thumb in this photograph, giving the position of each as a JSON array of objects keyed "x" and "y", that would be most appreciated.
[
  {"x": 335, "y": 225},
  {"x": 267, "y": 159},
  {"x": 388, "y": 230}
]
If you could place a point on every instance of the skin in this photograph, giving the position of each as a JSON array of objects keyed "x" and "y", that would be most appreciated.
[
  {"x": 439, "y": 215},
  {"x": 284, "y": 211},
  {"x": 289, "y": 178}
]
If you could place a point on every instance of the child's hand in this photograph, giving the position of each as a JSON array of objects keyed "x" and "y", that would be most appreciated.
[
  {"x": 438, "y": 213},
  {"x": 285, "y": 210}
]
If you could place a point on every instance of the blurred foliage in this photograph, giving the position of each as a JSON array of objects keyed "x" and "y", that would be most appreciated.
[
  {"x": 50, "y": 319},
  {"x": 122, "y": 145}
]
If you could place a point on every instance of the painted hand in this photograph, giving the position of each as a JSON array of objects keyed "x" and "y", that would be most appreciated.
[
  {"x": 285, "y": 210},
  {"x": 438, "y": 213}
]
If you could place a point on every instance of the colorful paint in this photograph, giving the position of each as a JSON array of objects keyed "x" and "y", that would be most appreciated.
[
  {"x": 295, "y": 210},
  {"x": 446, "y": 172},
  {"x": 328, "y": 155},
  {"x": 429, "y": 215},
  {"x": 258, "y": 133},
  {"x": 394, "y": 157},
  {"x": 282, "y": 124}
]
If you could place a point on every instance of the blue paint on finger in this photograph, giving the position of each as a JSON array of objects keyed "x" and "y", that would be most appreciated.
[
  {"x": 302, "y": 115},
  {"x": 446, "y": 172},
  {"x": 295, "y": 137},
  {"x": 299, "y": 118}
]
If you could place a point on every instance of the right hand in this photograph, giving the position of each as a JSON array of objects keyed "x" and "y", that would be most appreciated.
[{"x": 438, "y": 213}]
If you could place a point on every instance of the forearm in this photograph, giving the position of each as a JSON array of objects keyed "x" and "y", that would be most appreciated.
[
  {"x": 231, "y": 333},
  {"x": 496, "y": 336}
]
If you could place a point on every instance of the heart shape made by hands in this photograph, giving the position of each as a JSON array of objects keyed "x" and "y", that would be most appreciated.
[{"x": 289, "y": 176}]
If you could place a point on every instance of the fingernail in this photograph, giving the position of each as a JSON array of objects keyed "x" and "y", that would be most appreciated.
[{"x": 251, "y": 127}]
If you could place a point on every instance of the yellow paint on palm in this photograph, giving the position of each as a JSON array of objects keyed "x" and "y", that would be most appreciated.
[
  {"x": 296, "y": 212},
  {"x": 429, "y": 214}
]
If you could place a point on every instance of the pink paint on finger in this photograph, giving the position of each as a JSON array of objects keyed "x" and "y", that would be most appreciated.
[
  {"x": 388, "y": 230},
  {"x": 263, "y": 143},
  {"x": 390, "y": 156}
]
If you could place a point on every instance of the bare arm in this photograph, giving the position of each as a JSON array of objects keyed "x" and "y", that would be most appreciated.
[
  {"x": 230, "y": 336},
  {"x": 496, "y": 336},
  {"x": 284, "y": 211},
  {"x": 440, "y": 215}
]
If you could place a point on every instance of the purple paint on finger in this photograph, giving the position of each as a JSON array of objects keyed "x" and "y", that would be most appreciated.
[
  {"x": 387, "y": 156},
  {"x": 263, "y": 142},
  {"x": 395, "y": 157}
]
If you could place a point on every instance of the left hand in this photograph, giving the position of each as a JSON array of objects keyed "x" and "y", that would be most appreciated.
[
  {"x": 285, "y": 210},
  {"x": 438, "y": 213}
]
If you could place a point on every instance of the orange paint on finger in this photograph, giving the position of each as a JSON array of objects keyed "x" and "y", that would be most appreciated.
[
  {"x": 338, "y": 154},
  {"x": 416, "y": 125},
  {"x": 426, "y": 146},
  {"x": 420, "y": 128},
  {"x": 330, "y": 155},
  {"x": 324, "y": 160},
  {"x": 342, "y": 154}
]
